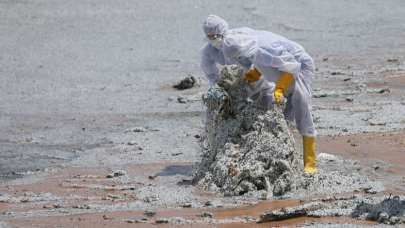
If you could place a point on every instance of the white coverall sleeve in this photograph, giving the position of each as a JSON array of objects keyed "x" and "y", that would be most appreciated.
[
  {"x": 208, "y": 65},
  {"x": 279, "y": 58}
]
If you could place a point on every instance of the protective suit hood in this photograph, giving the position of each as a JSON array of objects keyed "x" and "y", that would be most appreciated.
[
  {"x": 215, "y": 25},
  {"x": 240, "y": 46}
]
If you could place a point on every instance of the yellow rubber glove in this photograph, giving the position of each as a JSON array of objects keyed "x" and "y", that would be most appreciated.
[
  {"x": 252, "y": 75},
  {"x": 284, "y": 82},
  {"x": 309, "y": 154}
]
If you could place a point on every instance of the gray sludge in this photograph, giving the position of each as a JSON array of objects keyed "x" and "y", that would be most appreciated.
[
  {"x": 246, "y": 147},
  {"x": 388, "y": 210}
]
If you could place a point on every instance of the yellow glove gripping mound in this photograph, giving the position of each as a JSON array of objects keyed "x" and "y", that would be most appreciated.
[
  {"x": 252, "y": 75},
  {"x": 309, "y": 154},
  {"x": 284, "y": 82}
]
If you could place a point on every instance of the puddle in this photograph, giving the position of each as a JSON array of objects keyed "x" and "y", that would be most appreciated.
[{"x": 254, "y": 210}]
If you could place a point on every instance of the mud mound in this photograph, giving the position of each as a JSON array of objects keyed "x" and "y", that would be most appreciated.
[
  {"x": 247, "y": 148},
  {"x": 389, "y": 211}
]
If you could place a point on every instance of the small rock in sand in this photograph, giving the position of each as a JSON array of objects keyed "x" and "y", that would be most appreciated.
[
  {"x": 187, "y": 205},
  {"x": 208, "y": 203},
  {"x": 161, "y": 220},
  {"x": 131, "y": 143},
  {"x": 207, "y": 215},
  {"x": 182, "y": 100},
  {"x": 51, "y": 206},
  {"x": 142, "y": 220},
  {"x": 186, "y": 83},
  {"x": 117, "y": 173},
  {"x": 105, "y": 217},
  {"x": 384, "y": 90},
  {"x": 336, "y": 73}
]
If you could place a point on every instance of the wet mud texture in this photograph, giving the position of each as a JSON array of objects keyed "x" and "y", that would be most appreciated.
[
  {"x": 248, "y": 148},
  {"x": 388, "y": 210}
]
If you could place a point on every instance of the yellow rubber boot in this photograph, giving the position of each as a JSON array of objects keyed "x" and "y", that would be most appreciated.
[
  {"x": 283, "y": 83},
  {"x": 309, "y": 154},
  {"x": 252, "y": 75}
]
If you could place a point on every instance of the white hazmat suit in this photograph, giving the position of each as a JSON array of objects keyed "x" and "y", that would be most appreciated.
[{"x": 271, "y": 56}]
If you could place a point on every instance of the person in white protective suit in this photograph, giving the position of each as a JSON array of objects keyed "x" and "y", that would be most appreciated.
[
  {"x": 287, "y": 64},
  {"x": 215, "y": 29}
]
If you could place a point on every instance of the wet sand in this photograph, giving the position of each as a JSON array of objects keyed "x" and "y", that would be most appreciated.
[
  {"x": 381, "y": 154},
  {"x": 119, "y": 220},
  {"x": 79, "y": 187}
]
